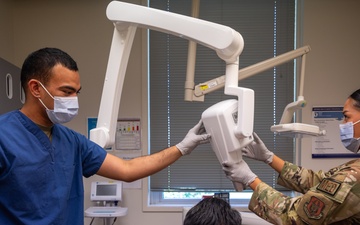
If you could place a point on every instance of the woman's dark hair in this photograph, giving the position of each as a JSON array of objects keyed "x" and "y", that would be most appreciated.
[
  {"x": 38, "y": 65},
  {"x": 356, "y": 97},
  {"x": 212, "y": 211}
]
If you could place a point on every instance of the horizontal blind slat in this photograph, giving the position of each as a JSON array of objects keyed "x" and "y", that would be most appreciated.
[{"x": 171, "y": 117}]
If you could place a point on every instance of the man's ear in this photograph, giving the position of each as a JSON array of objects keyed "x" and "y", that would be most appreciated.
[{"x": 34, "y": 88}]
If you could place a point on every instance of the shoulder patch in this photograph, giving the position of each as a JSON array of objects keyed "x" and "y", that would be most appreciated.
[
  {"x": 329, "y": 186},
  {"x": 314, "y": 208}
]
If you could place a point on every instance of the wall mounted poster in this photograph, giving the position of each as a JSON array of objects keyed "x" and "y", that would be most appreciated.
[
  {"x": 328, "y": 118},
  {"x": 128, "y": 134}
]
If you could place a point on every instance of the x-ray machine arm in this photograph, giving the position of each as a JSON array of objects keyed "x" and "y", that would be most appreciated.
[{"x": 126, "y": 17}]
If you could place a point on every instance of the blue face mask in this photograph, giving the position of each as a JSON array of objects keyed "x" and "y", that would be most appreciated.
[
  {"x": 65, "y": 108},
  {"x": 347, "y": 136}
]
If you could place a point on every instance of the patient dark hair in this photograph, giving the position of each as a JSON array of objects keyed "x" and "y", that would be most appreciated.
[
  {"x": 356, "y": 97},
  {"x": 212, "y": 211}
]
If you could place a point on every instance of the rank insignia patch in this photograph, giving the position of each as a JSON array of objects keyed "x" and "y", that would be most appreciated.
[
  {"x": 314, "y": 208},
  {"x": 329, "y": 186}
]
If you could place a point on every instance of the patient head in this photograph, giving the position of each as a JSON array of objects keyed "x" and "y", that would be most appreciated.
[{"x": 212, "y": 211}]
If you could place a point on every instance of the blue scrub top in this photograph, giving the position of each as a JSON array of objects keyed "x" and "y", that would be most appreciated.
[{"x": 41, "y": 181}]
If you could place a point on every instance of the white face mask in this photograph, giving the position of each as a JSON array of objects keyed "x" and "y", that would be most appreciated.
[
  {"x": 65, "y": 108},
  {"x": 347, "y": 136}
]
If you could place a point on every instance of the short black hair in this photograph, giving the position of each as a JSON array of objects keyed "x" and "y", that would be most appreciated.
[
  {"x": 356, "y": 97},
  {"x": 212, "y": 211},
  {"x": 38, "y": 64}
]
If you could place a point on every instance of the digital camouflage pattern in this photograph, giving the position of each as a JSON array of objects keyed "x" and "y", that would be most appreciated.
[{"x": 331, "y": 197}]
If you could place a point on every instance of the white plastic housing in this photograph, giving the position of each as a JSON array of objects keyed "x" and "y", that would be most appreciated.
[
  {"x": 227, "y": 43},
  {"x": 220, "y": 120},
  {"x": 297, "y": 130}
]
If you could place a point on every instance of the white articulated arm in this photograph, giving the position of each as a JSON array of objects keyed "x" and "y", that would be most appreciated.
[
  {"x": 104, "y": 133},
  {"x": 227, "y": 43},
  {"x": 246, "y": 102}
]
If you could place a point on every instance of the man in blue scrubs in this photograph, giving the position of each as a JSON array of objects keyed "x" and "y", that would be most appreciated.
[{"x": 42, "y": 163}]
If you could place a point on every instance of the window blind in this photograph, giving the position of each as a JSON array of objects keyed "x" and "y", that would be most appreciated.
[{"x": 268, "y": 30}]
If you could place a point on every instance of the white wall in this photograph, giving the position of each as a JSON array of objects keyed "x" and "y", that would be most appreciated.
[
  {"x": 80, "y": 27},
  {"x": 331, "y": 28}
]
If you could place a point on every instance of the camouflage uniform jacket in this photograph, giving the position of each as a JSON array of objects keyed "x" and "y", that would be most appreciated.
[{"x": 331, "y": 197}]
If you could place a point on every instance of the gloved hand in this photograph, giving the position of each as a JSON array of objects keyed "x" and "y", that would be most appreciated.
[
  {"x": 258, "y": 151},
  {"x": 196, "y": 135},
  {"x": 238, "y": 172}
]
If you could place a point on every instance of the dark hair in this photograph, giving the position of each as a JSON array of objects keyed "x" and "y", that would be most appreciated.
[
  {"x": 356, "y": 97},
  {"x": 38, "y": 65},
  {"x": 212, "y": 211}
]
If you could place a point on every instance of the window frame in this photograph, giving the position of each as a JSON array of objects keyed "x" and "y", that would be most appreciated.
[{"x": 155, "y": 202}]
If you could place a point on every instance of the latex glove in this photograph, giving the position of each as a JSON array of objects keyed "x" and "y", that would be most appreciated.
[
  {"x": 258, "y": 151},
  {"x": 196, "y": 135},
  {"x": 238, "y": 172}
]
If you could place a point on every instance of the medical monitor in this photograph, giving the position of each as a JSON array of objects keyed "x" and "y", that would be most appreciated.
[{"x": 106, "y": 191}]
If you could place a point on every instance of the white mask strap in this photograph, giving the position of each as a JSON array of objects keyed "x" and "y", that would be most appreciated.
[
  {"x": 53, "y": 96},
  {"x": 43, "y": 103}
]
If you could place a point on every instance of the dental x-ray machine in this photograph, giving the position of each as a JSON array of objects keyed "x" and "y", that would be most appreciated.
[
  {"x": 227, "y": 43},
  {"x": 126, "y": 17}
]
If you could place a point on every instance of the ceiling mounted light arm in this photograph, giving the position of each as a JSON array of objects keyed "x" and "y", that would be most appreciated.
[
  {"x": 292, "y": 128},
  {"x": 227, "y": 43},
  {"x": 285, "y": 126},
  {"x": 219, "y": 82},
  {"x": 191, "y": 59}
]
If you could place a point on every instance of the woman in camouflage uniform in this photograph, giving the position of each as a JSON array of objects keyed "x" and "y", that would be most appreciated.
[{"x": 331, "y": 197}]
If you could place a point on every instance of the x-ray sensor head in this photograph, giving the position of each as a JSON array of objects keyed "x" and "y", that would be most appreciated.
[{"x": 220, "y": 120}]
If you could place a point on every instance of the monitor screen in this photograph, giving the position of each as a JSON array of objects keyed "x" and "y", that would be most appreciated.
[{"x": 106, "y": 191}]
